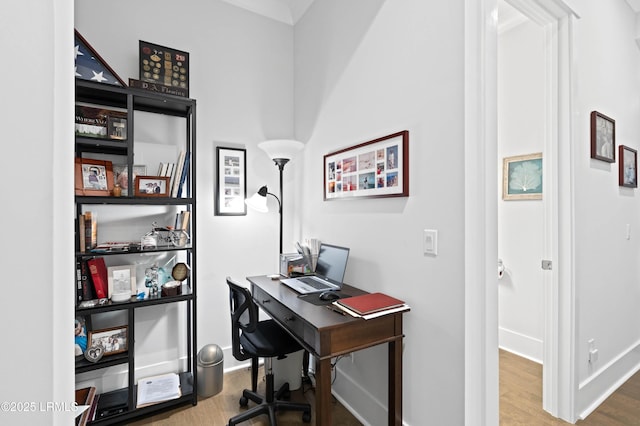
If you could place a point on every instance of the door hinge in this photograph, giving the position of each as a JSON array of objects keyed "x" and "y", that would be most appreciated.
[{"x": 546, "y": 265}]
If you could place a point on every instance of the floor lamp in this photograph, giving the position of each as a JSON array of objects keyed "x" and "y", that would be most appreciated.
[{"x": 281, "y": 151}]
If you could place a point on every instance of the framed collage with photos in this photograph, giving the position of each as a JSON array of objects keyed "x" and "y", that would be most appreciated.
[
  {"x": 378, "y": 168},
  {"x": 231, "y": 182}
]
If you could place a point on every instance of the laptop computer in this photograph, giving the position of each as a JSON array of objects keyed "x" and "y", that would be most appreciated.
[{"x": 329, "y": 273}]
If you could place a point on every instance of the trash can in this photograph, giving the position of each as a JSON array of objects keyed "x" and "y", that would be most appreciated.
[
  {"x": 289, "y": 370},
  {"x": 210, "y": 365}
]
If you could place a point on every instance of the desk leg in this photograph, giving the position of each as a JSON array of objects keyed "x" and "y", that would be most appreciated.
[
  {"x": 395, "y": 383},
  {"x": 323, "y": 392}
]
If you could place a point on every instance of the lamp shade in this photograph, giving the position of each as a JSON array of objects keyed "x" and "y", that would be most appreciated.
[
  {"x": 281, "y": 148},
  {"x": 258, "y": 201}
]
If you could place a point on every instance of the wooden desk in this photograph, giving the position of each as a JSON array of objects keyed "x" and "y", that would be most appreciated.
[{"x": 327, "y": 334}]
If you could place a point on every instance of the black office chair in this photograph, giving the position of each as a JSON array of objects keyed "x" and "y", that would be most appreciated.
[{"x": 252, "y": 339}]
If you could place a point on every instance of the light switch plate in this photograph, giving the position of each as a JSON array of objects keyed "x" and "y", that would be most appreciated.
[{"x": 430, "y": 241}]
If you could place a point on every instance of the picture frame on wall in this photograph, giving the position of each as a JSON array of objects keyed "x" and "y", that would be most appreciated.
[
  {"x": 231, "y": 182},
  {"x": 603, "y": 137},
  {"x": 628, "y": 167},
  {"x": 377, "y": 168},
  {"x": 522, "y": 177}
]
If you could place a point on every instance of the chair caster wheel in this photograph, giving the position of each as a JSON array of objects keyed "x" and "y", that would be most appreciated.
[
  {"x": 244, "y": 401},
  {"x": 306, "y": 416}
]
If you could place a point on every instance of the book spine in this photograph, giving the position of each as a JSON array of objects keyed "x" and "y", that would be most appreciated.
[
  {"x": 98, "y": 272},
  {"x": 185, "y": 169},
  {"x": 88, "y": 291}
]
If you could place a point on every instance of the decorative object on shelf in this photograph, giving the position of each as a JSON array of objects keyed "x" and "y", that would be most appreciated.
[
  {"x": 93, "y": 177},
  {"x": 231, "y": 182},
  {"x": 164, "y": 66},
  {"x": 152, "y": 279},
  {"x": 281, "y": 151},
  {"x": 628, "y": 167},
  {"x": 122, "y": 282},
  {"x": 99, "y": 122},
  {"x": 121, "y": 175},
  {"x": 151, "y": 186},
  {"x": 94, "y": 353},
  {"x": 603, "y": 137},
  {"x": 90, "y": 66},
  {"x": 378, "y": 168},
  {"x": 522, "y": 177},
  {"x": 114, "y": 340},
  {"x": 117, "y": 190},
  {"x": 80, "y": 331}
]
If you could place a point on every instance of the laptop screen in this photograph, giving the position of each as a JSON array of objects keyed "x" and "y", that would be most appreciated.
[{"x": 332, "y": 262}]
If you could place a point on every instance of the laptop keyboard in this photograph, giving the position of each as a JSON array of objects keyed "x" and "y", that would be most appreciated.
[{"x": 313, "y": 283}]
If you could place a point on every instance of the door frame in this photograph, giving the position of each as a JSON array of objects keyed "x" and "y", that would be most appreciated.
[{"x": 481, "y": 306}]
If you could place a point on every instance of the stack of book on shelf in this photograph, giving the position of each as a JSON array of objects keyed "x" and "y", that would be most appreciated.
[
  {"x": 177, "y": 172},
  {"x": 370, "y": 305},
  {"x": 88, "y": 230},
  {"x": 156, "y": 389}
]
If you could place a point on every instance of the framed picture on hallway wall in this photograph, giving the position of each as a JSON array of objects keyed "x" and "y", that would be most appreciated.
[
  {"x": 628, "y": 167},
  {"x": 603, "y": 137},
  {"x": 522, "y": 177},
  {"x": 231, "y": 182},
  {"x": 378, "y": 168}
]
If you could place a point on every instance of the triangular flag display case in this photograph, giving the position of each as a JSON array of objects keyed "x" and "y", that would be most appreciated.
[{"x": 90, "y": 65}]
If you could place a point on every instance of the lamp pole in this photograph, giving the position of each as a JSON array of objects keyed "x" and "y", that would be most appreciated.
[{"x": 280, "y": 162}]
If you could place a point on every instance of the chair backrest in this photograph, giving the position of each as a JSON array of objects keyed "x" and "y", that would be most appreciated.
[{"x": 244, "y": 316}]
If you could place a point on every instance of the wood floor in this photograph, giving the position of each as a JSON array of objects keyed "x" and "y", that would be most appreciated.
[
  {"x": 521, "y": 398},
  {"x": 216, "y": 410},
  {"x": 520, "y": 402}
]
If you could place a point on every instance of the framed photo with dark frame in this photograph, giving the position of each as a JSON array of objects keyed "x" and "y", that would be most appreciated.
[
  {"x": 522, "y": 177},
  {"x": 114, "y": 340},
  {"x": 231, "y": 182},
  {"x": 628, "y": 167},
  {"x": 152, "y": 186},
  {"x": 603, "y": 137},
  {"x": 93, "y": 177},
  {"x": 377, "y": 168}
]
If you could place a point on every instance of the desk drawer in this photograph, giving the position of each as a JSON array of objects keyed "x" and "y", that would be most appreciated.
[{"x": 279, "y": 312}]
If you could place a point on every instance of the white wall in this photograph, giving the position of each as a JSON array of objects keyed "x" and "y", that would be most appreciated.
[
  {"x": 365, "y": 69},
  {"x": 607, "y": 267},
  {"x": 521, "y": 111},
  {"x": 37, "y": 307}
]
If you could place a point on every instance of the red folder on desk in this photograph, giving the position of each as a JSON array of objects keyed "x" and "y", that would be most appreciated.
[{"x": 370, "y": 303}]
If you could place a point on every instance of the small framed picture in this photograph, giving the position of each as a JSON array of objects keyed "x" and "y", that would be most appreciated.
[
  {"x": 522, "y": 177},
  {"x": 93, "y": 177},
  {"x": 113, "y": 340},
  {"x": 603, "y": 137},
  {"x": 628, "y": 169},
  {"x": 122, "y": 282},
  {"x": 117, "y": 127},
  {"x": 151, "y": 186},
  {"x": 231, "y": 182},
  {"x": 121, "y": 175}
]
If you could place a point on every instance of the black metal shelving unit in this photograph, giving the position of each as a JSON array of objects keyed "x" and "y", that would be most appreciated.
[{"x": 132, "y": 100}]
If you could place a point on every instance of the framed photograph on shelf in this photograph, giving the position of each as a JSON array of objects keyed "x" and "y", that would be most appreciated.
[
  {"x": 152, "y": 186},
  {"x": 628, "y": 167},
  {"x": 603, "y": 137},
  {"x": 121, "y": 175},
  {"x": 378, "y": 168},
  {"x": 122, "y": 282},
  {"x": 93, "y": 177},
  {"x": 231, "y": 182},
  {"x": 522, "y": 177},
  {"x": 82, "y": 327},
  {"x": 114, "y": 340}
]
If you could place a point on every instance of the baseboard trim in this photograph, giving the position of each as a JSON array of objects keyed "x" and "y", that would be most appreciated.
[
  {"x": 594, "y": 390},
  {"x": 522, "y": 345}
]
